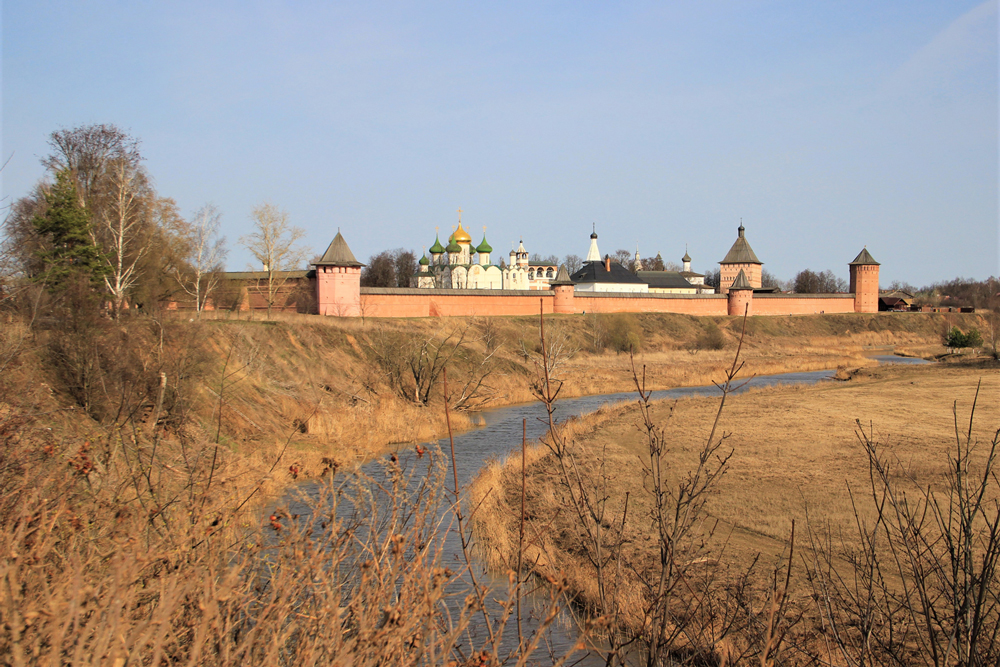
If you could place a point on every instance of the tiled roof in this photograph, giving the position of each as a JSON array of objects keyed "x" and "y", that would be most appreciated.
[
  {"x": 741, "y": 282},
  {"x": 663, "y": 279},
  {"x": 338, "y": 254},
  {"x": 864, "y": 257},
  {"x": 741, "y": 252},
  {"x": 594, "y": 272}
]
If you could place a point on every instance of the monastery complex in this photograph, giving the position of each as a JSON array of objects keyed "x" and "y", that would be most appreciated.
[{"x": 459, "y": 279}]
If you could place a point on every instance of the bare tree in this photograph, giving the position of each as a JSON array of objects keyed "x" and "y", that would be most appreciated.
[
  {"x": 87, "y": 152},
  {"x": 208, "y": 253},
  {"x": 824, "y": 282},
  {"x": 573, "y": 263},
  {"x": 119, "y": 230},
  {"x": 273, "y": 244},
  {"x": 623, "y": 257}
]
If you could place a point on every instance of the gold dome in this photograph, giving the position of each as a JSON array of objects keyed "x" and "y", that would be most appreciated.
[{"x": 460, "y": 235}]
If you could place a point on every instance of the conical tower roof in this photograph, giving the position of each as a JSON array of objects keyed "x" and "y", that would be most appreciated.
[
  {"x": 741, "y": 282},
  {"x": 338, "y": 254},
  {"x": 741, "y": 252},
  {"x": 562, "y": 277},
  {"x": 864, "y": 257}
]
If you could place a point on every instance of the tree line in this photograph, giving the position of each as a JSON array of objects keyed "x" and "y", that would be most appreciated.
[{"x": 94, "y": 234}]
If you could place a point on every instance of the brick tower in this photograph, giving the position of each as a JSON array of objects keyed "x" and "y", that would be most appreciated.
[
  {"x": 562, "y": 300},
  {"x": 864, "y": 282},
  {"x": 740, "y": 296},
  {"x": 338, "y": 281},
  {"x": 740, "y": 257}
]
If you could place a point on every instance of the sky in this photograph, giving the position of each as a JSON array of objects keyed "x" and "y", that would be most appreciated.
[{"x": 825, "y": 127}]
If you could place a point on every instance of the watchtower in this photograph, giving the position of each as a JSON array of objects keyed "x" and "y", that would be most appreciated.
[
  {"x": 864, "y": 282},
  {"x": 338, "y": 281}
]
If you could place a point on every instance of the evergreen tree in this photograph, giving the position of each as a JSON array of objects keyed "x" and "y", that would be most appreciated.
[{"x": 69, "y": 249}]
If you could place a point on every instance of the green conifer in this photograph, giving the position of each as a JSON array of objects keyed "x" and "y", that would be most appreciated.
[{"x": 70, "y": 250}]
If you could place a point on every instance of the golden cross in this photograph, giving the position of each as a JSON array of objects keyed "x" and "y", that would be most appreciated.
[
  {"x": 459, "y": 216},
  {"x": 484, "y": 230}
]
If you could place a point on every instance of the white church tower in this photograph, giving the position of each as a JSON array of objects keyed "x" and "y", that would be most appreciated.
[{"x": 593, "y": 255}]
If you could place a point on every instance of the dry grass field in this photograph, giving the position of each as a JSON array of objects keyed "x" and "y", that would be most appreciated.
[{"x": 796, "y": 455}]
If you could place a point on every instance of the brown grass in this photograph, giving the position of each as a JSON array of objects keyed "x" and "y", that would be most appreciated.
[{"x": 795, "y": 452}]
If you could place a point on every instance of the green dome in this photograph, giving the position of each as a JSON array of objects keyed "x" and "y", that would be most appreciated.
[
  {"x": 454, "y": 247},
  {"x": 424, "y": 261},
  {"x": 484, "y": 246},
  {"x": 437, "y": 248}
]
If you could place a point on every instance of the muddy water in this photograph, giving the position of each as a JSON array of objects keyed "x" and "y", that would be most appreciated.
[{"x": 500, "y": 433}]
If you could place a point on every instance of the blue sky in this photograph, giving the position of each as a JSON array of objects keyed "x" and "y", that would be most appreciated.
[{"x": 824, "y": 126}]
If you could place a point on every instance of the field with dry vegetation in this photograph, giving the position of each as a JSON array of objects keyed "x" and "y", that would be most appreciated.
[
  {"x": 850, "y": 522},
  {"x": 138, "y": 455}
]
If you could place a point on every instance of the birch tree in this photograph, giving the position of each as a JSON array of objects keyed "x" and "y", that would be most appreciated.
[
  {"x": 120, "y": 230},
  {"x": 207, "y": 254},
  {"x": 273, "y": 244}
]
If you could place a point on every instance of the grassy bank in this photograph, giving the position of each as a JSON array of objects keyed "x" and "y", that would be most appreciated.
[{"x": 310, "y": 390}]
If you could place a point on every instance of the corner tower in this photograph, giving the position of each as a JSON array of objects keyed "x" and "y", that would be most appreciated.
[
  {"x": 338, "y": 281},
  {"x": 740, "y": 257},
  {"x": 864, "y": 282}
]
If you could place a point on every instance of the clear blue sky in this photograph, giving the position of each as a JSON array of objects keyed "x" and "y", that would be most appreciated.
[{"x": 825, "y": 126}]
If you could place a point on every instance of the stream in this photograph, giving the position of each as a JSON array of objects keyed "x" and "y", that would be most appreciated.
[{"x": 499, "y": 433}]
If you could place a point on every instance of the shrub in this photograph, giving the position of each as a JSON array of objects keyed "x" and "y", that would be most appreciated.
[
  {"x": 623, "y": 333},
  {"x": 955, "y": 338},
  {"x": 711, "y": 338}
]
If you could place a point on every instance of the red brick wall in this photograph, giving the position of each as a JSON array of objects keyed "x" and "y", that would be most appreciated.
[
  {"x": 801, "y": 304},
  {"x": 695, "y": 305},
  {"x": 387, "y": 302}
]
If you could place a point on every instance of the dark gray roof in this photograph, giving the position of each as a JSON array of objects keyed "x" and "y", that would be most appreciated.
[
  {"x": 741, "y": 252},
  {"x": 338, "y": 254},
  {"x": 741, "y": 282},
  {"x": 664, "y": 279},
  {"x": 692, "y": 274},
  {"x": 262, "y": 275},
  {"x": 562, "y": 278},
  {"x": 594, "y": 272},
  {"x": 864, "y": 257}
]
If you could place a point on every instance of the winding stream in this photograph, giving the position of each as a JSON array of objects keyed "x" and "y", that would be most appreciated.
[{"x": 499, "y": 433}]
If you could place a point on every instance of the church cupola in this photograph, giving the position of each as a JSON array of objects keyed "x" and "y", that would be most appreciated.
[
  {"x": 686, "y": 260},
  {"x": 437, "y": 250},
  {"x": 593, "y": 255},
  {"x": 484, "y": 249}
]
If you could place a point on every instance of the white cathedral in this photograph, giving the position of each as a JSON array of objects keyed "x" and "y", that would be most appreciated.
[{"x": 460, "y": 266}]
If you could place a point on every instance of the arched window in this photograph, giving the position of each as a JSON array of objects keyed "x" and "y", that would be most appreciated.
[
  {"x": 531, "y": 274},
  {"x": 548, "y": 272}
]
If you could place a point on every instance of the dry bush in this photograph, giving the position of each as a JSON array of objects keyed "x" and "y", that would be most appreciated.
[
  {"x": 151, "y": 560},
  {"x": 918, "y": 583}
]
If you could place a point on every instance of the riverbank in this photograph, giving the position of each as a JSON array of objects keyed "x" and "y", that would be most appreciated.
[
  {"x": 794, "y": 450},
  {"x": 288, "y": 398}
]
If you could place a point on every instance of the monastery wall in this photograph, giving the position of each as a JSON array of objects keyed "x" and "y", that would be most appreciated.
[
  {"x": 801, "y": 304},
  {"x": 687, "y": 304},
  {"x": 411, "y": 302}
]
